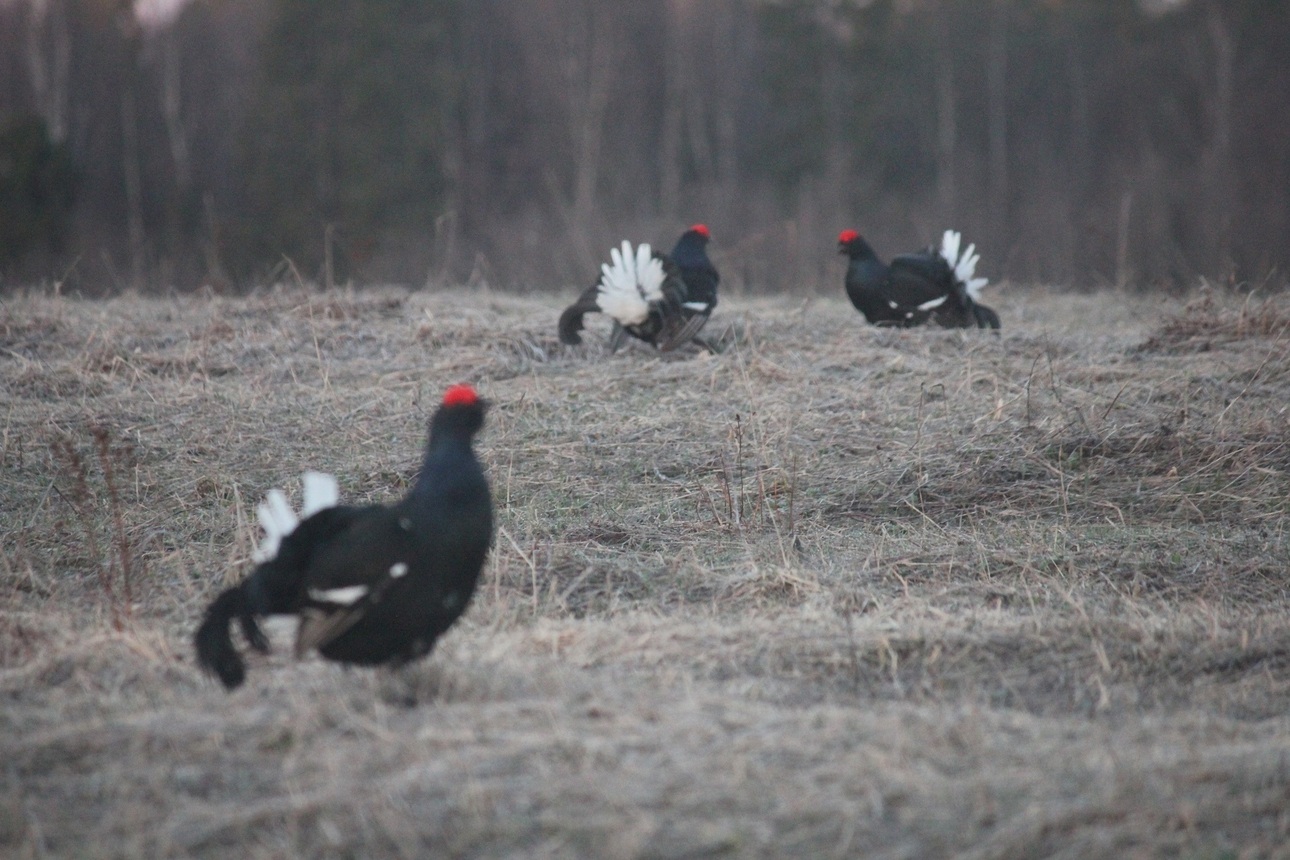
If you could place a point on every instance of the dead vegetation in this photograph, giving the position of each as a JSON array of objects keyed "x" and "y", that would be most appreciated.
[{"x": 834, "y": 592}]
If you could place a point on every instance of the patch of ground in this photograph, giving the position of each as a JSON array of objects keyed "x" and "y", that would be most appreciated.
[{"x": 833, "y": 592}]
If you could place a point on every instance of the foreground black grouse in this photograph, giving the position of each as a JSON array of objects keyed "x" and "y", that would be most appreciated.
[
  {"x": 662, "y": 299},
  {"x": 371, "y": 585},
  {"x": 930, "y": 284}
]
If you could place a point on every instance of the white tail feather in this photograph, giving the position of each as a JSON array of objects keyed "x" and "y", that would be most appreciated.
[
  {"x": 629, "y": 285},
  {"x": 320, "y": 491},
  {"x": 964, "y": 266},
  {"x": 950, "y": 246},
  {"x": 278, "y": 520}
]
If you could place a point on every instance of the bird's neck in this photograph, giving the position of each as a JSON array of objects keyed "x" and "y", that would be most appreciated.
[
  {"x": 866, "y": 267},
  {"x": 690, "y": 255},
  {"x": 860, "y": 249},
  {"x": 441, "y": 457}
]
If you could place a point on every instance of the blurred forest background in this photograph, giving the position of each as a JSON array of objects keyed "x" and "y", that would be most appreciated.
[{"x": 225, "y": 143}]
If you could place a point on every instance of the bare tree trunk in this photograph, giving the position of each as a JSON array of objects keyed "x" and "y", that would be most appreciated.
[
  {"x": 171, "y": 109},
  {"x": 472, "y": 149},
  {"x": 701, "y": 149},
  {"x": 133, "y": 185},
  {"x": 946, "y": 120},
  {"x": 1079, "y": 154},
  {"x": 1080, "y": 136},
  {"x": 997, "y": 112},
  {"x": 591, "y": 71},
  {"x": 676, "y": 80},
  {"x": 1123, "y": 272},
  {"x": 215, "y": 270},
  {"x": 733, "y": 26},
  {"x": 1220, "y": 109},
  {"x": 588, "y": 77},
  {"x": 699, "y": 122},
  {"x": 49, "y": 60}
]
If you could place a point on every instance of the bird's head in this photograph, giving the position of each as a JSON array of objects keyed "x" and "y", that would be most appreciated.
[
  {"x": 462, "y": 409},
  {"x": 846, "y": 239},
  {"x": 460, "y": 395},
  {"x": 689, "y": 250}
]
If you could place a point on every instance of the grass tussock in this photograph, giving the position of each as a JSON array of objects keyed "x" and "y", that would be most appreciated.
[
  {"x": 831, "y": 592},
  {"x": 1207, "y": 320}
]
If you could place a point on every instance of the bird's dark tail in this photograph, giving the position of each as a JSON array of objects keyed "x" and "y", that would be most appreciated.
[
  {"x": 571, "y": 319},
  {"x": 214, "y": 641},
  {"x": 985, "y": 317}
]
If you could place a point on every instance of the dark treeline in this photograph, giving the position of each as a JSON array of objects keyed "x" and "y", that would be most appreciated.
[{"x": 439, "y": 141}]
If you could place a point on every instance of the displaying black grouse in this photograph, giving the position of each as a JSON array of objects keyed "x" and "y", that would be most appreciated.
[
  {"x": 662, "y": 299},
  {"x": 930, "y": 284},
  {"x": 370, "y": 585}
]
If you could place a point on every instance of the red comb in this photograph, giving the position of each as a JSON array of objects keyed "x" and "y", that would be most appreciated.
[
  {"x": 847, "y": 236},
  {"x": 702, "y": 230},
  {"x": 460, "y": 395}
]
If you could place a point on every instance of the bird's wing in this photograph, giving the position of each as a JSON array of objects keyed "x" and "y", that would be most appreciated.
[
  {"x": 672, "y": 291},
  {"x": 684, "y": 333},
  {"x": 351, "y": 573},
  {"x": 682, "y": 315},
  {"x": 914, "y": 280},
  {"x": 701, "y": 284},
  {"x": 275, "y": 585}
]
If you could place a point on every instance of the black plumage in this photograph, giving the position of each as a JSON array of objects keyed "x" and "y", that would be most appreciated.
[
  {"x": 932, "y": 284},
  {"x": 666, "y": 308},
  {"x": 690, "y": 253},
  {"x": 376, "y": 584}
]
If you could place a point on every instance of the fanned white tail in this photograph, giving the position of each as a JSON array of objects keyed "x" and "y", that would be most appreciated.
[
  {"x": 320, "y": 490},
  {"x": 278, "y": 520},
  {"x": 964, "y": 266},
  {"x": 630, "y": 284}
]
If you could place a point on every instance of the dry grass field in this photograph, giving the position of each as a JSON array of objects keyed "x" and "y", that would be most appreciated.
[{"x": 833, "y": 592}]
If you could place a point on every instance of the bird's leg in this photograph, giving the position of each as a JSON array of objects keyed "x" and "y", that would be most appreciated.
[
  {"x": 708, "y": 345},
  {"x": 402, "y": 683},
  {"x": 254, "y": 635},
  {"x": 616, "y": 337}
]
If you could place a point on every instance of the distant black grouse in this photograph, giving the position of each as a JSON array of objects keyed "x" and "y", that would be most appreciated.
[
  {"x": 662, "y": 299},
  {"x": 370, "y": 585},
  {"x": 930, "y": 284}
]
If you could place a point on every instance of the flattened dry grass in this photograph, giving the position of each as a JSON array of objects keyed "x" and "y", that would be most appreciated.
[{"x": 833, "y": 592}]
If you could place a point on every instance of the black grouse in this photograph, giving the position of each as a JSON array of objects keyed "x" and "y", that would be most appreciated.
[
  {"x": 929, "y": 284},
  {"x": 662, "y": 299},
  {"x": 371, "y": 585}
]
